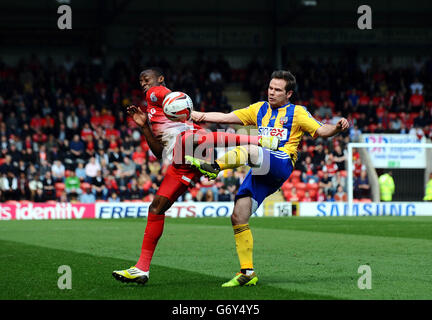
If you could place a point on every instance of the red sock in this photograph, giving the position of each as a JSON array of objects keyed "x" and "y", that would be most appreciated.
[
  {"x": 227, "y": 139},
  {"x": 153, "y": 231}
]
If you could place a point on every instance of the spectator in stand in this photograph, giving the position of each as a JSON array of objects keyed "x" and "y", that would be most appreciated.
[
  {"x": 34, "y": 184},
  {"x": 102, "y": 156},
  {"x": 330, "y": 167},
  {"x": 87, "y": 196},
  {"x": 361, "y": 186},
  {"x": 61, "y": 134},
  {"x": 340, "y": 195},
  {"x": 307, "y": 197},
  {"x": 139, "y": 156},
  {"x": 324, "y": 111},
  {"x": 10, "y": 186},
  {"x": 395, "y": 125},
  {"x": 127, "y": 148},
  {"x": 115, "y": 158},
  {"x": 309, "y": 171},
  {"x": 127, "y": 169},
  {"x": 358, "y": 167},
  {"x": 338, "y": 180},
  {"x": 113, "y": 197},
  {"x": 72, "y": 184},
  {"x": 77, "y": 148},
  {"x": 416, "y": 86},
  {"x": 58, "y": 171},
  {"x": 145, "y": 182},
  {"x": 325, "y": 182},
  {"x": 321, "y": 195},
  {"x": 91, "y": 169},
  {"x": 72, "y": 124},
  {"x": 80, "y": 172},
  {"x": 339, "y": 157},
  {"x": 48, "y": 187},
  {"x": 416, "y": 102},
  {"x": 23, "y": 187},
  {"x": 355, "y": 133},
  {"x": 98, "y": 186},
  {"x": 208, "y": 196},
  {"x": 15, "y": 155},
  {"x": 353, "y": 99},
  {"x": 293, "y": 196},
  {"x": 7, "y": 165},
  {"x": 223, "y": 194},
  {"x": 231, "y": 182},
  {"x": 39, "y": 196},
  {"x": 206, "y": 185},
  {"x": 96, "y": 120},
  {"x": 421, "y": 120},
  {"x": 86, "y": 132}
]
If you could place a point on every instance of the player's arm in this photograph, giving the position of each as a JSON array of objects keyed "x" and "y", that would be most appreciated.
[
  {"x": 215, "y": 117},
  {"x": 141, "y": 119},
  {"x": 329, "y": 130}
]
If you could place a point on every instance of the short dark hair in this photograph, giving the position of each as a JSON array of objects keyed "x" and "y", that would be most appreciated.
[
  {"x": 156, "y": 70},
  {"x": 287, "y": 76}
]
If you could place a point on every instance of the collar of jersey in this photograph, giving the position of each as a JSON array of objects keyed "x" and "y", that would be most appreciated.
[{"x": 285, "y": 105}]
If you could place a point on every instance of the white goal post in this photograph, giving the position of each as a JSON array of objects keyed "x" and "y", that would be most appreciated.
[{"x": 359, "y": 145}]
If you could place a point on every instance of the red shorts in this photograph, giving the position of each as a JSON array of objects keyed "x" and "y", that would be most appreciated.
[
  {"x": 177, "y": 180},
  {"x": 179, "y": 176}
]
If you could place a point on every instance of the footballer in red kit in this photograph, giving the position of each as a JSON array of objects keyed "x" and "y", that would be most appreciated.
[{"x": 168, "y": 139}]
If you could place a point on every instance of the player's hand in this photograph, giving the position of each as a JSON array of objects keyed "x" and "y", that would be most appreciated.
[
  {"x": 342, "y": 124},
  {"x": 140, "y": 117},
  {"x": 197, "y": 116}
]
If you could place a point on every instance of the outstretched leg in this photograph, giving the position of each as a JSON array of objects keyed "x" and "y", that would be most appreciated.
[
  {"x": 244, "y": 244},
  {"x": 170, "y": 189}
]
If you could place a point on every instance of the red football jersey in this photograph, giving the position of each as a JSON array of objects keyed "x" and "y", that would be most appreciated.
[{"x": 162, "y": 127}]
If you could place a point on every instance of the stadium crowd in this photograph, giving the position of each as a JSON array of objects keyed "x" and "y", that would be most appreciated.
[{"x": 64, "y": 134}]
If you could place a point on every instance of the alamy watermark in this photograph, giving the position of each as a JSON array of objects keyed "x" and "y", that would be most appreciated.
[
  {"x": 65, "y": 20},
  {"x": 365, "y": 20},
  {"x": 365, "y": 280},
  {"x": 65, "y": 280}
]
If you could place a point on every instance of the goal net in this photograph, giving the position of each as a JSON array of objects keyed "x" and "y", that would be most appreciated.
[{"x": 387, "y": 175}]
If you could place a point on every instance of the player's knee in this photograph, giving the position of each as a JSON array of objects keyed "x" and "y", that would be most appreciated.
[{"x": 156, "y": 207}]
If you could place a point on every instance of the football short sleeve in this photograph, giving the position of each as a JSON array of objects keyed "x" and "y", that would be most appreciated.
[
  {"x": 307, "y": 122},
  {"x": 249, "y": 114},
  {"x": 156, "y": 95}
]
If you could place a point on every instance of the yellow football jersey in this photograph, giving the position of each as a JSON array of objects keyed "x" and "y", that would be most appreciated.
[{"x": 288, "y": 122}]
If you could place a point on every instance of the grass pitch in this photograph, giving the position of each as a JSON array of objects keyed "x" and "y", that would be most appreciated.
[{"x": 295, "y": 258}]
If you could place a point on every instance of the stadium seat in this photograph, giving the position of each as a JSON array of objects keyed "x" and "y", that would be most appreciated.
[
  {"x": 313, "y": 194},
  {"x": 286, "y": 195},
  {"x": 59, "y": 186},
  {"x": 312, "y": 186},
  {"x": 372, "y": 127},
  {"x": 392, "y": 115},
  {"x": 287, "y": 185},
  {"x": 296, "y": 176},
  {"x": 301, "y": 193},
  {"x": 85, "y": 186},
  {"x": 300, "y": 186}
]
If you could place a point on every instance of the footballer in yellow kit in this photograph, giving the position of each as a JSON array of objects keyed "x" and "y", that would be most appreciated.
[{"x": 277, "y": 117}]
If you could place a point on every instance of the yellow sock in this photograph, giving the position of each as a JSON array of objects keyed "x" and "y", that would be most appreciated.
[
  {"x": 244, "y": 245},
  {"x": 233, "y": 159}
]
